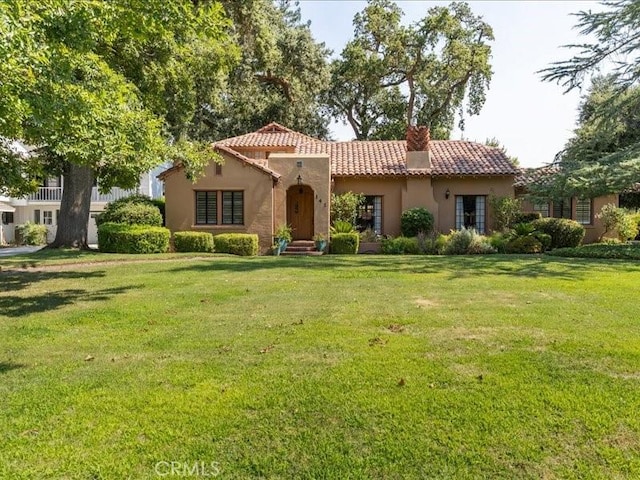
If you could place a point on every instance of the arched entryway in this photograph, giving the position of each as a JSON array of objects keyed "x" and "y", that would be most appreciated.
[{"x": 300, "y": 203}]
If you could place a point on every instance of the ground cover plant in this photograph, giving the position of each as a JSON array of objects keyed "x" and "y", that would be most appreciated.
[
  {"x": 628, "y": 251},
  {"x": 321, "y": 367}
]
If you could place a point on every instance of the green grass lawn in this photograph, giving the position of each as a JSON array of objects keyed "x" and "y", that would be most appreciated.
[{"x": 329, "y": 367}]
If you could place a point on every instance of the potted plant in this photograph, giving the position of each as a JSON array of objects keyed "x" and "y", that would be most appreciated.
[
  {"x": 283, "y": 237},
  {"x": 320, "y": 241},
  {"x": 369, "y": 242}
]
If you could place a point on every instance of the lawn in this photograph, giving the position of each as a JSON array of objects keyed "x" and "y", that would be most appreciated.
[{"x": 328, "y": 367}]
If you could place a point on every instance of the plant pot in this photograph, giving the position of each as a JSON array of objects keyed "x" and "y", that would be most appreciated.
[
  {"x": 370, "y": 247},
  {"x": 321, "y": 245}
]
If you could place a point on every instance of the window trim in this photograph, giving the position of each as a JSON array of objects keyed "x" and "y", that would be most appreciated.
[
  {"x": 207, "y": 193},
  {"x": 233, "y": 212},
  {"x": 590, "y": 203}
]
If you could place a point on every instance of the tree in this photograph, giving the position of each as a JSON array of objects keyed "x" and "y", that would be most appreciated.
[
  {"x": 391, "y": 75},
  {"x": 604, "y": 155},
  {"x": 106, "y": 90},
  {"x": 282, "y": 75}
]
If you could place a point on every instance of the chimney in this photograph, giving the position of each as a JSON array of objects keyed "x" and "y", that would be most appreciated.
[{"x": 418, "y": 148}]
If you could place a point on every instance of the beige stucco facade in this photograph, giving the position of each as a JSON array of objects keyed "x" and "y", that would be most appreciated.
[{"x": 594, "y": 229}]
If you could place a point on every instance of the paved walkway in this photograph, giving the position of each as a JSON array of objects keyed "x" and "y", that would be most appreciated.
[{"x": 8, "y": 252}]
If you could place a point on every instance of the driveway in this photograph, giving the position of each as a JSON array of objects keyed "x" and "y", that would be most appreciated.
[{"x": 8, "y": 252}]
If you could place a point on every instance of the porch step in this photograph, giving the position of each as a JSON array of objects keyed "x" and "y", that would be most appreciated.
[{"x": 301, "y": 247}]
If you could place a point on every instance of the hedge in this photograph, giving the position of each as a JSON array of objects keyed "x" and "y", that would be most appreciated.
[
  {"x": 526, "y": 244},
  {"x": 120, "y": 238},
  {"x": 525, "y": 218},
  {"x": 563, "y": 232},
  {"x": 243, "y": 244},
  {"x": 193, "y": 242},
  {"x": 626, "y": 251},
  {"x": 345, "y": 243},
  {"x": 133, "y": 210},
  {"x": 416, "y": 220}
]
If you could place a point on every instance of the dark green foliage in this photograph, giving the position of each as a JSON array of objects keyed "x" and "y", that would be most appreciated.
[
  {"x": 132, "y": 214},
  {"x": 416, "y": 220},
  {"x": 563, "y": 232},
  {"x": 499, "y": 240},
  {"x": 525, "y": 244},
  {"x": 120, "y": 238},
  {"x": 243, "y": 244},
  {"x": 341, "y": 226},
  {"x": 522, "y": 217},
  {"x": 400, "y": 246},
  {"x": 345, "y": 243},
  {"x": 31, "y": 234},
  {"x": 544, "y": 239},
  {"x": 161, "y": 204},
  {"x": 193, "y": 242},
  {"x": 627, "y": 251}
]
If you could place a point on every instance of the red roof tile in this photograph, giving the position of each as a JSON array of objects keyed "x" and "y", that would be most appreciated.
[{"x": 527, "y": 176}]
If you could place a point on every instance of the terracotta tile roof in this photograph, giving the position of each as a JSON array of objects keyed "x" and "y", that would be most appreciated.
[
  {"x": 224, "y": 149},
  {"x": 271, "y": 135},
  {"x": 527, "y": 176},
  {"x": 378, "y": 157}
]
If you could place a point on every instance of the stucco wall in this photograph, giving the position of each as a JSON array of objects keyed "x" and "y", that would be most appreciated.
[
  {"x": 391, "y": 190},
  {"x": 500, "y": 186},
  {"x": 595, "y": 229},
  {"x": 236, "y": 175},
  {"x": 314, "y": 172}
]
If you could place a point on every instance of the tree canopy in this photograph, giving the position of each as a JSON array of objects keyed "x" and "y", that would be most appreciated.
[
  {"x": 603, "y": 156},
  {"x": 105, "y": 89},
  {"x": 392, "y": 74}
]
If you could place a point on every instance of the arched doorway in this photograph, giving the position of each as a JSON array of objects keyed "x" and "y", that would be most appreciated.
[{"x": 300, "y": 211}]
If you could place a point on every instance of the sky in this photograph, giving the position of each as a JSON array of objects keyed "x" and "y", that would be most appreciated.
[{"x": 532, "y": 119}]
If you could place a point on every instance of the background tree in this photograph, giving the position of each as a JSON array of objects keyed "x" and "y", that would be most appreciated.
[
  {"x": 604, "y": 155},
  {"x": 391, "y": 75},
  {"x": 107, "y": 90},
  {"x": 281, "y": 77}
]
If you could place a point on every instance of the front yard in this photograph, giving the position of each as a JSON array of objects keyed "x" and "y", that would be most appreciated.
[{"x": 329, "y": 367}]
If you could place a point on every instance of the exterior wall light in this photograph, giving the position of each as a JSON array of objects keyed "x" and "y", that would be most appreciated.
[{"x": 447, "y": 194}]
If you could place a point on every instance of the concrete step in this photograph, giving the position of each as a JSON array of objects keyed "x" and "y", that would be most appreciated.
[{"x": 301, "y": 253}]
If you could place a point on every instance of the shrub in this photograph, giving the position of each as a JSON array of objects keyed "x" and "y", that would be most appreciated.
[
  {"x": 243, "y": 244},
  {"x": 618, "y": 220},
  {"x": 627, "y": 251},
  {"x": 31, "y": 234},
  {"x": 121, "y": 238},
  {"x": 344, "y": 207},
  {"x": 400, "y": 246},
  {"x": 563, "y": 232},
  {"x": 463, "y": 242},
  {"x": 525, "y": 244},
  {"x": 544, "y": 239},
  {"x": 505, "y": 210},
  {"x": 342, "y": 227},
  {"x": 345, "y": 243},
  {"x": 498, "y": 241},
  {"x": 161, "y": 204},
  {"x": 521, "y": 217},
  {"x": 368, "y": 235},
  {"x": 193, "y": 242},
  {"x": 416, "y": 220},
  {"x": 133, "y": 210}
]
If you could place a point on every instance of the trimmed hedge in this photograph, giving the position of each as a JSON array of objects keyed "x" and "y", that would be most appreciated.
[
  {"x": 345, "y": 243},
  {"x": 528, "y": 244},
  {"x": 120, "y": 238},
  {"x": 133, "y": 210},
  {"x": 416, "y": 220},
  {"x": 626, "y": 251},
  {"x": 193, "y": 242},
  {"x": 563, "y": 232},
  {"x": 525, "y": 218},
  {"x": 243, "y": 244},
  {"x": 400, "y": 246}
]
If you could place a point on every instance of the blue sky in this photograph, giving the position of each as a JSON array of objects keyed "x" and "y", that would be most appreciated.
[{"x": 531, "y": 118}]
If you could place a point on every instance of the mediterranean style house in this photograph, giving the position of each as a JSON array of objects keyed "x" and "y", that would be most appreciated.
[{"x": 277, "y": 176}]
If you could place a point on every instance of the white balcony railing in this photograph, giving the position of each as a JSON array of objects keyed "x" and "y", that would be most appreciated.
[{"x": 54, "y": 194}]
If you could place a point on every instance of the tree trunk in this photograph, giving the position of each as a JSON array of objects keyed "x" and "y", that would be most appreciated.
[{"x": 73, "y": 221}]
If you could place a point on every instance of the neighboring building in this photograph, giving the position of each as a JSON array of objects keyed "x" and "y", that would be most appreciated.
[
  {"x": 43, "y": 206},
  {"x": 582, "y": 210},
  {"x": 277, "y": 176}
]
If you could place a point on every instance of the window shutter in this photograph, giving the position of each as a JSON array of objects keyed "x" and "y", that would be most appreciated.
[{"x": 36, "y": 216}]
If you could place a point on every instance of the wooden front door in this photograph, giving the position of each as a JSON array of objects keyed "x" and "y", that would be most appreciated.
[{"x": 300, "y": 211}]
